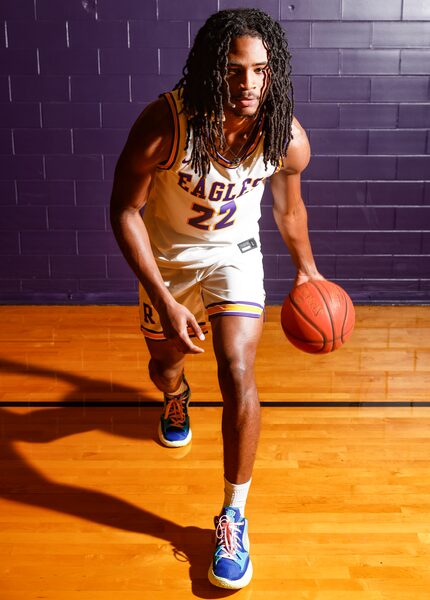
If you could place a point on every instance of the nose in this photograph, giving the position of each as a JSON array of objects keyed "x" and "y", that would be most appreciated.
[{"x": 248, "y": 80}]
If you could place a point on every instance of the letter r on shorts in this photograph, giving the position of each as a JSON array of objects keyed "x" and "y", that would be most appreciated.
[{"x": 147, "y": 314}]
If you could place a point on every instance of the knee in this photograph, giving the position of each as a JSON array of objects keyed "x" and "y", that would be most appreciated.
[
  {"x": 239, "y": 392},
  {"x": 237, "y": 371}
]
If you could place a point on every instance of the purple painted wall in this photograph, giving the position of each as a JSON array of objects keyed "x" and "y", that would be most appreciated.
[{"x": 76, "y": 73}]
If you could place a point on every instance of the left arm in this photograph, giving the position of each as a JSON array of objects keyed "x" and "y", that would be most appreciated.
[{"x": 288, "y": 207}]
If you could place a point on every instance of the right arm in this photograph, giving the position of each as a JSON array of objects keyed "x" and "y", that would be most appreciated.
[{"x": 147, "y": 146}]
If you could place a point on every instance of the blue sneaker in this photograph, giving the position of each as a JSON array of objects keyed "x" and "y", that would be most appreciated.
[
  {"x": 231, "y": 566},
  {"x": 174, "y": 430}
]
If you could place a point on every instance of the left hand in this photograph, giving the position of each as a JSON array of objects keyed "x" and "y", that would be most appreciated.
[{"x": 302, "y": 277}]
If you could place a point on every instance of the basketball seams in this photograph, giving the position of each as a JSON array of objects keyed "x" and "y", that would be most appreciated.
[
  {"x": 305, "y": 317},
  {"x": 307, "y": 342},
  {"x": 345, "y": 317},
  {"x": 349, "y": 318},
  {"x": 328, "y": 311}
]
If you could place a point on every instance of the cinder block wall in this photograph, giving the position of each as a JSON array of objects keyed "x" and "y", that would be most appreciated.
[{"x": 75, "y": 74}]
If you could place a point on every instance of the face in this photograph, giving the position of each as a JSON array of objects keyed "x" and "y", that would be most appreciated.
[{"x": 247, "y": 76}]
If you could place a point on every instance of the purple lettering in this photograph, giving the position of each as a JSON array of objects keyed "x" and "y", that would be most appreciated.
[
  {"x": 215, "y": 194},
  {"x": 184, "y": 178},
  {"x": 257, "y": 181},
  {"x": 147, "y": 314},
  {"x": 228, "y": 210},
  {"x": 199, "y": 190},
  {"x": 244, "y": 184},
  {"x": 227, "y": 197}
]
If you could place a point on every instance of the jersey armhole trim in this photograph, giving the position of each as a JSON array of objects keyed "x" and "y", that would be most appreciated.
[{"x": 167, "y": 164}]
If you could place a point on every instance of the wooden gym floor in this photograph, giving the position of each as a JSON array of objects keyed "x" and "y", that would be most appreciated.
[{"x": 93, "y": 508}]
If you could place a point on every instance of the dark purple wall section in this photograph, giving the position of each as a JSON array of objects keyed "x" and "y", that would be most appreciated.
[{"x": 75, "y": 74}]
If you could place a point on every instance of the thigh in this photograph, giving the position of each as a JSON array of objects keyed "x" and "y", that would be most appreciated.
[
  {"x": 185, "y": 288},
  {"x": 235, "y": 287}
]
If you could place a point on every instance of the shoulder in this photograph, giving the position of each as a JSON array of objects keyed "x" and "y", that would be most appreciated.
[
  {"x": 150, "y": 138},
  {"x": 299, "y": 152}
]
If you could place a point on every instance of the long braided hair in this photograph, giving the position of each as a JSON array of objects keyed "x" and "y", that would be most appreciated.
[{"x": 203, "y": 84}]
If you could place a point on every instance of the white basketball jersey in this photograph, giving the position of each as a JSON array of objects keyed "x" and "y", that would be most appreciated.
[{"x": 192, "y": 220}]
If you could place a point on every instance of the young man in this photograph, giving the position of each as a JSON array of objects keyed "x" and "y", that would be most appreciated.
[{"x": 197, "y": 159}]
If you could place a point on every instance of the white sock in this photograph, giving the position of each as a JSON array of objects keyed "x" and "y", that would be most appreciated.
[
  {"x": 236, "y": 494},
  {"x": 180, "y": 389}
]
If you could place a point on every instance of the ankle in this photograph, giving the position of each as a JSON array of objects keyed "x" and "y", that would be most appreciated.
[
  {"x": 235, "y": 495},
  {"x": 180, "y": 390}
]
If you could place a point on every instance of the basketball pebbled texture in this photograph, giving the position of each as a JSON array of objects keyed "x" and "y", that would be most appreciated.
[{"x": 318, "y": 316}]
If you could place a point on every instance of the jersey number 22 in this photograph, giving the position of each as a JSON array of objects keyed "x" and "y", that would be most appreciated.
[{"x": 226, "y": 212}]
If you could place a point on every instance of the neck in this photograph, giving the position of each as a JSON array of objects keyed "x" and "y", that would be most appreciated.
[
  {"x": 235, "y": 125},
  {"x": 237, "y": 132}
]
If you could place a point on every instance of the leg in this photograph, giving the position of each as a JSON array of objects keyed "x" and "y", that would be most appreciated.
[
  {"x": 166, "y": 369},
  {"x": 235, "y": 344},
  {"x": 166, "y": 365}
]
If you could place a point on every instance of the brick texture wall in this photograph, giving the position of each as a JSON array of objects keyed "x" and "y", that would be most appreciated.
[{"x": 75, "y": 74}]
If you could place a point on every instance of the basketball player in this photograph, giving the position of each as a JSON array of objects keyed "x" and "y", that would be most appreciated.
[{"x": 197, "y": 158}]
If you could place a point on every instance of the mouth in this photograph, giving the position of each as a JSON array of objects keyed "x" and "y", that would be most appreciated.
[{"x": 245, "y": 101}]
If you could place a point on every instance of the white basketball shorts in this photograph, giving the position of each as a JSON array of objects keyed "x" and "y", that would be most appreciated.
[{"x": 233, "y": 286}]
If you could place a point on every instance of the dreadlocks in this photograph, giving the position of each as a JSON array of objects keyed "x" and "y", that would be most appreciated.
[{"x": 204, "y": 83}]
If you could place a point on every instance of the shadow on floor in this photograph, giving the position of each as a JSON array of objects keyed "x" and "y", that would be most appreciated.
[{"x": 21, "y": 482}]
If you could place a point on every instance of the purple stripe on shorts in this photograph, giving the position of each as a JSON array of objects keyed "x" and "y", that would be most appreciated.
[
  {"x": 235, "y": 314},
  {"x": 234, "y": 302}
]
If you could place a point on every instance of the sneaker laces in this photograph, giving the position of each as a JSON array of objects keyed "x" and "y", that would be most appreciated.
[
  {"x": 227, "y": 532},
  {"x": 174, "y": 409}
]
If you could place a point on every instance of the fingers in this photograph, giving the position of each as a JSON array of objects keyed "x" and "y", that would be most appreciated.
[
  {"x": 196, "y": 328},
  {"x": 191, "y": 347},
  {"x": 176, "y": 325},
  {"x": 182, "y": 340},
  {"x": 184, "y": 344},
  {"x": 187, "y": 343}
]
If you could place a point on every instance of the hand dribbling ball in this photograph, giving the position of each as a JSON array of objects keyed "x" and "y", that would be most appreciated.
[{"x": 318, "y": 316}]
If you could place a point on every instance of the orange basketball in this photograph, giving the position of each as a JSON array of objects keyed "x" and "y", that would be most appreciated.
[{"x": 318, "y": 316}]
